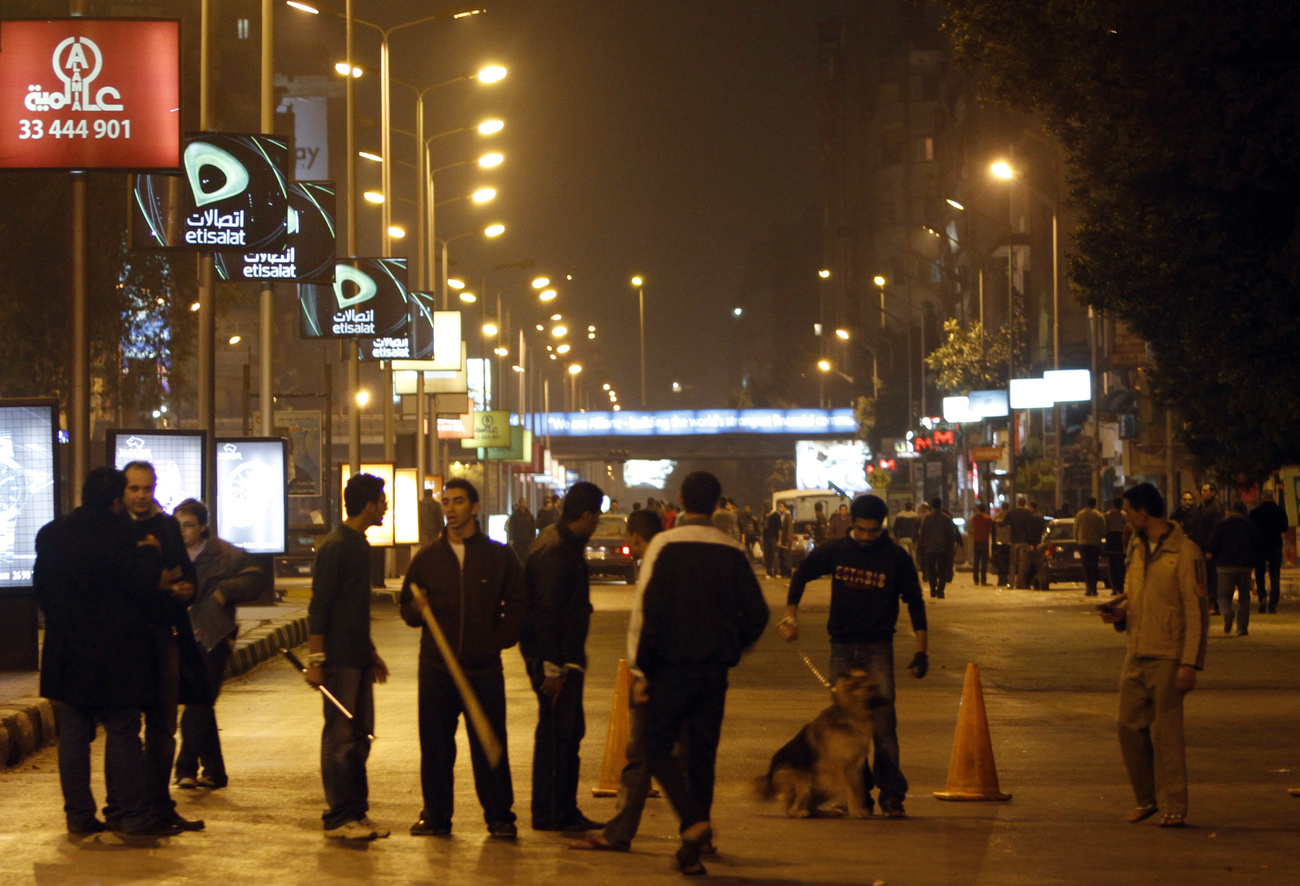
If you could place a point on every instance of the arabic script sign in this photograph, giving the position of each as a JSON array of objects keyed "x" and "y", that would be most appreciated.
[{"x": 85, "y": 93}]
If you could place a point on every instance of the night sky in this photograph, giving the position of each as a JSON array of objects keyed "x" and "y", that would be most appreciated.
[{"x": 659, "y": 138}]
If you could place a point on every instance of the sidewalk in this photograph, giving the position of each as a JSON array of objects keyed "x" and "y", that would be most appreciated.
[{"x": 29, "y": 722}]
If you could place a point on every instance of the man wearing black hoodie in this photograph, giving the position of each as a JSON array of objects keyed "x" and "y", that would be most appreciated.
[{"x": 869, "y": 574}]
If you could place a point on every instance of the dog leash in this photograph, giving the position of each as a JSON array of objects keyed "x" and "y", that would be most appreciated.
[{"x": 812, "y": 667}]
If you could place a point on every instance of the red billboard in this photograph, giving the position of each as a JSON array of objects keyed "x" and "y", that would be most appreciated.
[{"x": 82, "y": 93}]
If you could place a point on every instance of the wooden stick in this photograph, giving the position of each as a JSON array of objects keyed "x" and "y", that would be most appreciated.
[{"x": 473, "y": 710}]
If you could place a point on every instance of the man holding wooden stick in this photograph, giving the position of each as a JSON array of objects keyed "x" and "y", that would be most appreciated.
[{"x": 467, "y": 594}]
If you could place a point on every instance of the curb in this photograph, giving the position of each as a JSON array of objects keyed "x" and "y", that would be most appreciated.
[{"x": 265, "y": 642}]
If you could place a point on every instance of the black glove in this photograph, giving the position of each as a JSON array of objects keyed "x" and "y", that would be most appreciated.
[{"x": 920, "y": 664}]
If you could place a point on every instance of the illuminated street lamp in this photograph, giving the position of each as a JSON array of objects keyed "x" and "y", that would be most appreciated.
[{"x": 640, "y": 297}]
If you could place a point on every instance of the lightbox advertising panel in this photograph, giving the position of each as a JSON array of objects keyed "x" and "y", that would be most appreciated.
[
  {"x": 85, "y": 93},
  {"x": 28, "y": 484},
  {"x": 232, "y": 195},
  {"x": 251, "y": 488},
  {"x": 820, "y": 463},
  {"x": 176, "y": 456},
  {"x": 368, "y": 300},
  {"x": 309, "y": 256}
]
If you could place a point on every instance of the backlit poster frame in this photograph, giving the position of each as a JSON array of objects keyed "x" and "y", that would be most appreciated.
[
  {"x": 384, "y": 535},
  {"x": 252, "y": 511},
  {"x": 29, "y": 483},
  {"x": 176, "y": 482}
]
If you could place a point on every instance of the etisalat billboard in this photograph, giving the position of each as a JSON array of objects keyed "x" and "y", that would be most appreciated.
[{"x": 368, "y": 300}]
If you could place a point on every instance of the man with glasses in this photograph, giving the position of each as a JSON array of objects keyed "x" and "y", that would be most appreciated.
[{"x": 870, "y": 573}]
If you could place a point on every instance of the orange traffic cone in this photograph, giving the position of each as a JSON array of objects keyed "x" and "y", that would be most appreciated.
[
  {"x": 972, "y": 774},
  {"x": 616, "y": 736}
]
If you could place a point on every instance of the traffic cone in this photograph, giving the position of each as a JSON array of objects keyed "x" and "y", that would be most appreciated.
[
  {"x": 616, "y": 736},
  {"x": 972, "y": 774}
]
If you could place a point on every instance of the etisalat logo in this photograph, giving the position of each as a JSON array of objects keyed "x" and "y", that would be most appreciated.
[
  {"x": 210, "y": 227},
  {"x": 348, "y": 320},
  {"x": 230, "y": 452},
  {"x": 77, "y": 62}
]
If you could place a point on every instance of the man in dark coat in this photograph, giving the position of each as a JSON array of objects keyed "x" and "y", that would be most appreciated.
[
  {"x": 178, "y": 663},
  {"x": 1200, "y": 528},
  {"x": 1270, "y": 519},
  {"x": 553, "y": 644},
  {"x": 521, "y": 529},
  {"x": 94, "y": 584},
  {"x": 936, "y": 542},
  {"x": 227, "y": 576}
]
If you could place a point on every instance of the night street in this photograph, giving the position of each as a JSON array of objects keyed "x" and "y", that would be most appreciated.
[{"x": 1049, "y": 673}]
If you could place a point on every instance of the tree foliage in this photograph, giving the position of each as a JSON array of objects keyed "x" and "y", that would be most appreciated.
[
  {"x": 971, "y": 359},
  {"x": 1181, "y": 125}
]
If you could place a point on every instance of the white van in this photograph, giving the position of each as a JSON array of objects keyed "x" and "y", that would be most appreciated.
[{"x": 802, "y": 504}]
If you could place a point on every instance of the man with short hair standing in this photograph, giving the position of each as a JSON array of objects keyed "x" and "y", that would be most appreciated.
[
  {"x": 869, "y": 575},
  {"x": 342, "y": 658},
  {"x": 1164, "y": 614},
  {"x": 553, "y": 644},
  {"x": 1019, "y": 522},
  {"x": 1270, "y": 519},
  {"x": 840, "y": 523},
  {"x": 1235, "y": 547},
  {"x": 521, "y": 529},
  {"x": 1114, "y": 545},
  {"x": 474, "y": 588},
  {"x": 981, "y": 529},
  {"x": 1089, "y": 533}
]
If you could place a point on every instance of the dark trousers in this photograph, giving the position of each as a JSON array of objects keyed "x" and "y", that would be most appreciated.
[
  {"x": 938, "y": 568},
  {"x": 1115, "y": 559},
  {"x": 345, "y": 745},
  {"x": 690, "y": 699},
  {"x": 200, "y": 740},
  {"x": 634, "y": 782},
  {"x": 980, "y": 561},
  {"x": 1272, "y": 563},
  {"x": 1002, "y": 562},
  {"x": 128, "y": 803},
  {"x": 1212, "y": 585},
  {"x": 160, "y": 725},
  {"x": 560, "y": 728},
  {"x": 769, "y": 557},
  {"x": 440, "y": 707},
  {"x": 1091, "y": 557},
  {"x": 783, "y": 557}
]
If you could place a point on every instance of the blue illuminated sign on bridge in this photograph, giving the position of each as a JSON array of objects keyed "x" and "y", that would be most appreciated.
[{"x": 679, "y": 422}]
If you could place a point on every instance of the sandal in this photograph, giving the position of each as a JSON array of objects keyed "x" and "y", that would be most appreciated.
[
  {"x": 593, "y": 843},
  {"x": 1141, "y": 813},
  {"x": 1171, "y": 820},
  {"x": 688, "y": 856}
]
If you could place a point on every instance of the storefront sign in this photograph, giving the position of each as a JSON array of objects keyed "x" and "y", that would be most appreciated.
[{"x": 83, "y": 93}]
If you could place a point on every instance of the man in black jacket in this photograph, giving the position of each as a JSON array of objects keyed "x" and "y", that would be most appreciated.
[
  {"x": 474, "y": 587},
  {"x": 870, "y": 573},
  {"x": 700, "y": 610},
  {"x": 1270, "y": 519},
  {"x": 553, "y": 644},
  {"x": 1235, "y": 548},
  {"x": 94, "y": 584},
  {"x": 178, "y": 664}
]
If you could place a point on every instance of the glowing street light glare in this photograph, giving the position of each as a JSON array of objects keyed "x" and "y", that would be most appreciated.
[
  {"x": 456, "y": 283},
  {"x": 824, "y": 273},
  {"x": 547, "y": 294},
  {"x": 397, "y": 232},
  {"x": 878, "y": 280},
  {"x": 467, "y": 13},
  {"x": 194, "y": 306},
  {"x": 373, "y": 197},
  {"x": 483, "y": 195},
  {"x": 541, "y": 282},
  {"x": 562, "y": 349},
  {"x": 736, "y": 312},
  {"x": 954, "y": 204},
  {"x": 235, "y": 339},
  {"x": 559, "y": 331},
  {"x": 342, "y": 68},
  {"x": 1002, "y": 169},
  {"x": 491, "y": 127},
  {"x": 491, "y": 74},
  {"x": 824, "y": 365},
  {"x": 637, "y": 281},
  {"x": 575, "y": 368},
  {"x": 494, "y": 230},
  {"x": 302, "y": 7},
  {"x": 605, "y": 386},
  {"x": 490, "y": 329},
  {"x": 487, "y": 161},
  {"x": 501, "y": 352},
  {"x": 842, "y": 334},
  {"x": 591, "y": 335},
  {"x": 557, "y": 317},
  {"x": 363, "y": 397},
  {"x": 369, "y": 156},
  {"x": 468, "y": 297}
]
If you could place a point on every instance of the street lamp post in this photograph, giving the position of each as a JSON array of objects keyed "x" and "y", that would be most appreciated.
[{"x": 640, "y": 295}]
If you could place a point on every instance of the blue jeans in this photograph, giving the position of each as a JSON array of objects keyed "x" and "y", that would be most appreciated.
[
  {"x": 1235, "y": 579},
  {"x": 878, "y": 660},
  {"x": 345, "y": 745},
  {"x": 128, "y": 806}
]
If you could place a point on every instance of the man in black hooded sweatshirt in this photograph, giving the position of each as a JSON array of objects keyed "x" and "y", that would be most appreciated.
[{"x": 869, "y": 574}]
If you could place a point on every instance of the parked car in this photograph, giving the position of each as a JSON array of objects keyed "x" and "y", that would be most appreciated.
[
  {"x": 607, "y": 550},
  {"x": 1056, "y": 559}
]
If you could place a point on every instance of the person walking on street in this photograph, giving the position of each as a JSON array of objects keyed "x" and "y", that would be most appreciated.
[
  {"x": 869, "y": 575},
  {"x": 785, "y": 542},
  {"x": 1018, "y": 522},
  {"x": 1089, "y": 533},
  {"x": 1165, "y": 616},
  {"x": 701, "y": 610},
  {"x": 840, "y": 523},
  {"x": 474, "y": 587},
  {"x": 1114, "y": 545},
  {"x": 549, "y": 513},
  {"x": 429, "y": 515},
  {"x": 981, "y": 530},
  {"x": 521, "y": 529},
  {"x": 94, "y": 584},
  {"x": 227, "y": 576},
  {"x": 1201, "y": 529},
  {"x": 771, "y": 536},
  {"x": 936, "y": 542},
  {"x": 1234, "y": 551},
  {"x": 1270, "y": 519},
  {"x": 821, "y": 526},
  {"x": 342, "y": 658},
  {"x": 553, "y": 644},
  {"x": 905, "y": 526}
]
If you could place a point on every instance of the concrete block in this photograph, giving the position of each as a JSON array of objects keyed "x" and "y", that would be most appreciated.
[
  {"x": 41, "y": 713},
  {"x": 22, "y": 734}
]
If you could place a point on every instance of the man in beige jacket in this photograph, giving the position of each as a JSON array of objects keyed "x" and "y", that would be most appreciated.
[{"x": 1165, "y": 613}]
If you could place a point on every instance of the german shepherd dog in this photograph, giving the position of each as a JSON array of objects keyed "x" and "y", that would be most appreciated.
[{"x": 825, "y": 761}]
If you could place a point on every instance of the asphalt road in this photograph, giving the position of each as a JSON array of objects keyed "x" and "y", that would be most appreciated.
[{"x": 1049, "y": 672}]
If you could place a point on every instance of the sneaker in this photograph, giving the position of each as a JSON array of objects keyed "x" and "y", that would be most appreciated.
[
  {"x": 212, "y": 784},
  {"x": 892, "y": 809},
  {"x": 379, "y": 830},
  {"x": 426, "y": 828},
  {"x": 352, "y": 830},
  {"x": 503, "y": 830},
  {"x": 187, "y": 782}
]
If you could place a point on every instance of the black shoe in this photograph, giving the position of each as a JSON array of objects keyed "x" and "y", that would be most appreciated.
[
  {"x": 503, "y": 830},
  {"x": 1272, "y": 610},
  {"x": 581, "y": 824},
  {"x": 159, "y": 828},
  {"x": 426, "y": 828},
  {"x": 185, "y": 824},
  {"x": 94, "y": 826}
]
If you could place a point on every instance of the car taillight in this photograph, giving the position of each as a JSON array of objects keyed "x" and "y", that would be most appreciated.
[{"x": 627, "y": 552}]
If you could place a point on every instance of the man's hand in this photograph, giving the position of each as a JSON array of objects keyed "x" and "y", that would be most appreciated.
[
  {"x": 551, "y": 687},
  {"x": 788, "y": 629},
  {"x": 149, "y": 541},
  {"x": 1185, "y": 679},
  {"x": 183, "y": 591},
  {"x": 640, "y": 691},
  {"x": 919, "y": 665},
  {"x": 1116, "y": 611},
  {"x": 314, "y": 675},
  {"x": 378, "y": 668}
]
